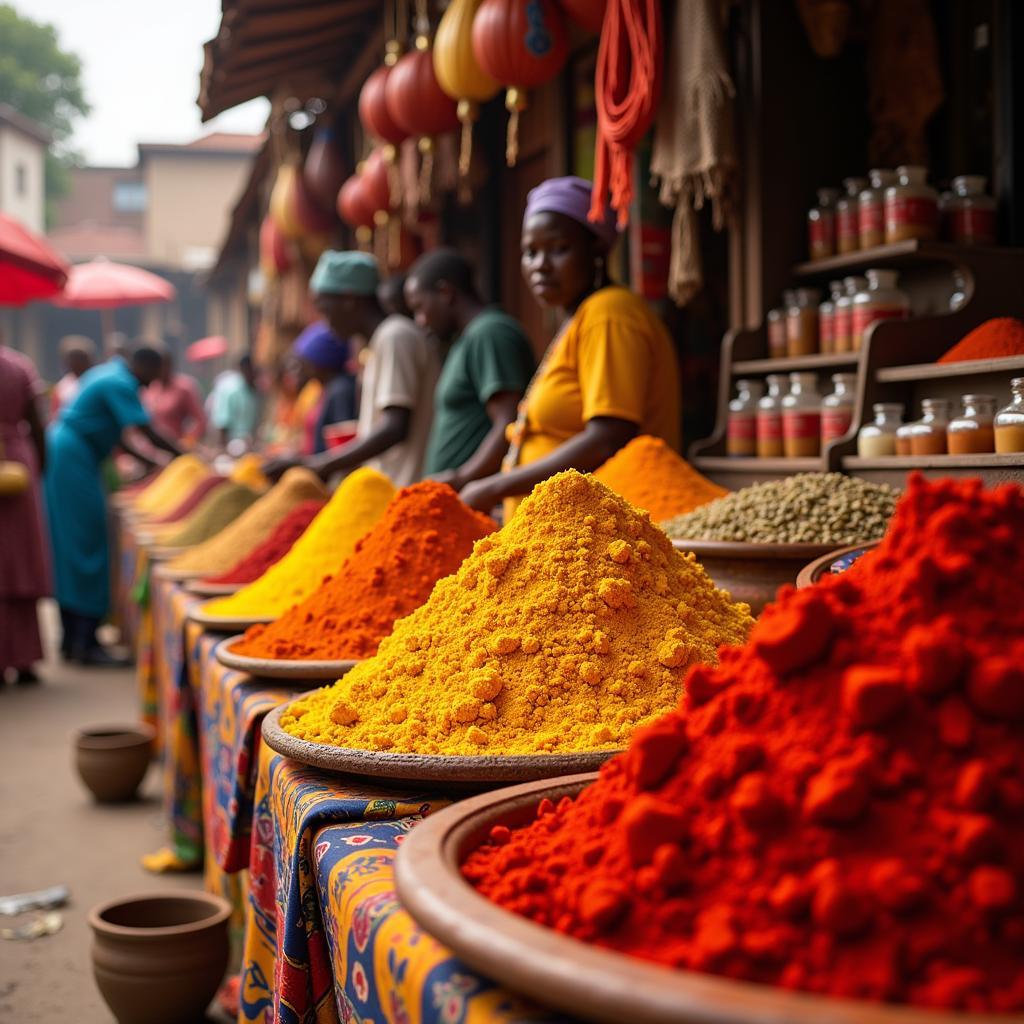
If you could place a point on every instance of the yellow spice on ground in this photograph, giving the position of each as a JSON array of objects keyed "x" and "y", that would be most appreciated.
[
  {"x": 248, "y": 470},
  {"x": 564, "y": 631},
  {"x": 176, "y": 479}
]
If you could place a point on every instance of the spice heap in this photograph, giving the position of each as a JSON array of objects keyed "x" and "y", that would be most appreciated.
[
  {"x": 809, "y": 508},
  {"x": 248, "y": 470},
  {"x": 177, "y": 478},
  {"x": 254, "y": 525},
  {"x": 562, "y": 632},
  {"x": 994, "y": 339},
  {"x": 425, "y": 535},
  {"x": 223, "y": 506},
  {"x": 274, "y": 548},
  {"x": 839, "y": 805},
  {"x": 355, "y": 508},
  {"x": 651, "y": 476},
  {"x": 188, "y": 505}
]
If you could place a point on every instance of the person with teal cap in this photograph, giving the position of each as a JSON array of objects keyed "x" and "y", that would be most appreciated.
[{"x": 400, "y": 372}]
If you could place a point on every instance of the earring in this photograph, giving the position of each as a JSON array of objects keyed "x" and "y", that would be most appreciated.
[{"x": 598, "y": 272}]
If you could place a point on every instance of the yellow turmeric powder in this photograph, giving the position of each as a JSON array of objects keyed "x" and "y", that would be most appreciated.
[
  {"x": 651, "y": 476},
  {"x": 253, "y": 526},
  {"x": 248, "y": 470},
  {"x": 176, "y": 479},
  {"x": 353, "y": 510},
  {"x": 565, "y": 631}
]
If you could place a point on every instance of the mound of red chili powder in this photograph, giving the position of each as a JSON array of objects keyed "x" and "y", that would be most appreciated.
[{"x": 839, "y": 805}]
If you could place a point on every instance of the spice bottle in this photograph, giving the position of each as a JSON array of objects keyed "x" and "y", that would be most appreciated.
[
  {"x": 821, "y": 224},
  {"x": 843, "y": 314},
  {"x": 929, "y": 433},
  {"x": 802, "y": 322},
  {"x": 903, "y": 433},
  {"x": 972, "y": 433},
  {"x": 911, "y": 206},
  {"x": 871, "y": 208},
  {"x": 878, "y": 439},
  {"x": 769, "y": 418},
  {"x": 827, "y": 318},
  {"x": 741, "y": 432},
  {"x": 837, "y": 408},
  {"x": 848, "y": 215},
  {"x": 1009, "y": 421},
  {"x": 972, "y": 213},
  {"x": 801, "y": 417},
  {"x": 880, "y": 300},
  {"x": 776, "y": 328}
]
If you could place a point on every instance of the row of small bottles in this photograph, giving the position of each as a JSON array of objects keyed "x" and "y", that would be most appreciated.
[
  {"x": 978, "y": 430},
  {"x": 804, "y": 324},
  {"x": 893, "y": 206}
]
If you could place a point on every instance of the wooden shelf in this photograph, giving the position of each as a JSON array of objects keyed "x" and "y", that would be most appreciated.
[
  {"x": 933, "y": 371},
  {"x": 907, "y": 462},
  {"x": 744, "y": 464},
  {"x": 789, "y": 364},
  {"x": 894, "y": 255}
]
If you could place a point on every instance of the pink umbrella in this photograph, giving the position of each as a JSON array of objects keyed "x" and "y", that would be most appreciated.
[
  {"x": 105, "y": 285},
  {"x": 29, "y": 268},
  {"x": 206, "y": 348}
]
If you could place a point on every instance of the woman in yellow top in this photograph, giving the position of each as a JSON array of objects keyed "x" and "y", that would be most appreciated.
[{"x": 610, "y": 372}]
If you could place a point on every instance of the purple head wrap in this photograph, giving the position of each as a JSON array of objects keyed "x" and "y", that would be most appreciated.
[
  {"x": 570, "y": 197},
  {"x": 319, "y": 345}
]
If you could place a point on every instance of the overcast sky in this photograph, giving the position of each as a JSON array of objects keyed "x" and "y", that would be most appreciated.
[{"x": 140, "y": 68}]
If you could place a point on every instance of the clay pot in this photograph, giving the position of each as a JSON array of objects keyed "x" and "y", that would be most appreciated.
[
  {"x": 112, "y": 759},
  {"x": 159, "y": 957}
]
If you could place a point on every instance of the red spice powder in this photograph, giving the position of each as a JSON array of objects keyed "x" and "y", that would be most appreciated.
[
  {"x": 254, "y": 564},
  {"x": 994, "y": 339},
  {"x": 839, "y": 805},
  {"x": 425, "y": 535},
  {"x": 205, "y": 486}
]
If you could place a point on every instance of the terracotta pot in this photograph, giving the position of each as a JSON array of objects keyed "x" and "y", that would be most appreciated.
[
  {"x": 112, "y": 759},
  {"x": 159, "y": 957},
  {"x": 820, "y": 567}
]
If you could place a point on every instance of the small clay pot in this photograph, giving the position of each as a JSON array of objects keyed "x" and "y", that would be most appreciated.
[
  {"x": 112, "y": 759},
  {"x": 159, "y": 957}
]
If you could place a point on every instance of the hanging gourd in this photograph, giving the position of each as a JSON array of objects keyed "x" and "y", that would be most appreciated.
[
  {"x": 311, "y": 218},
  {"x": 458, "y": 71},
  {"x": 373, "y": 109},
  {"x": 282, "y": 206},
  {"x": 588, "y": 14},
  {"x": 324, "y": 169},
  {"x": 353, "y": 207},
  {"x": 522, "y": 44},
  {"x": 274, "y": 258},
  {"x": 376, "y": 183}
]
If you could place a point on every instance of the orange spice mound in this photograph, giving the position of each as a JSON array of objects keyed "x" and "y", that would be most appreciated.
[
  {"x": 651, "y": 476},
  {"x": 998, "y": 338},
  {"x": 425, "y": 535}
]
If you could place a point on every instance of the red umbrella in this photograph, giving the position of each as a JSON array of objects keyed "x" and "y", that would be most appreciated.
[
  {"x": 29, "y": 268},
  {"x": 105, "y": 285},
  {"x": 206, "y": 348}
]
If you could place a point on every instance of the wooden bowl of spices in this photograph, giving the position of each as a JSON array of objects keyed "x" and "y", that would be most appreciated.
[
  {"x": 204, "y": 588},
  {"x": 313, "y": 672},
  {"x": 835, "y": 563},
  {"x": 586, "y": 981}
]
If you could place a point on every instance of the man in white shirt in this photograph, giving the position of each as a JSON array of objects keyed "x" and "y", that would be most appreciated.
[{"x": 400, "y": 372}]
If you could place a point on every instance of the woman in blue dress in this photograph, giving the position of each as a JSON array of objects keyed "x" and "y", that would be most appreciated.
[{"x": 83, "y": 436}]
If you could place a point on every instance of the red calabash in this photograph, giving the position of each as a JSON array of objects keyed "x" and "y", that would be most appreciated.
[
  {"x": 521, "y": 43},
  {"x": 353, "y": 207},
  {"x": 273, "y": 250},
  {"x": 415, "y": 100},
  {"x": 324, "y": 169},
  {"x": 373, "y": 109},
  {"x": 376, "y": 184},
  {"x": 588, "y": 14},
  {"x": 306, "y": 210}
]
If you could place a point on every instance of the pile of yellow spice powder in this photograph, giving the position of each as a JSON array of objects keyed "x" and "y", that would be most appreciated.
[{"x": 565, "y": 631}]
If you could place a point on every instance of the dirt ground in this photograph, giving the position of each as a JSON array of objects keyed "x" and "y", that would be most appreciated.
[{"x": 51, "y": 832}]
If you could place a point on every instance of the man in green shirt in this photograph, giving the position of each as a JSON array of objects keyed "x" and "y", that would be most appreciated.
[{"x": 488, "y": 366}]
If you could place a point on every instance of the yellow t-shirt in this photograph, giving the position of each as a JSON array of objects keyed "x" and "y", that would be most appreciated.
[{"x": 615, "y": 358}]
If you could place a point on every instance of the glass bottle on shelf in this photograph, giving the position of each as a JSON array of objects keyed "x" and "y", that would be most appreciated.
[
  {"x": 802, "y": 322},
  {"x": 928, "y": 436},
  {"x": 847, "y": 215},
  {"x": 871, "y": 208},
  {"x": 769, "y": 418},
  {"x": 837, "y": 408},
  {"x": 972, "y": 213},
  {"x": 827, "y": 318},
  {"x": 1009, "y": 422},
  {"x": 843, "y": 315},
  {"x": 741, "y": 431},
  {"x": 880, "y": 300},
  {"x": 972, "y": 432},
  {"x": 776, "y": 327},
  {"x": 801, "y": 417},
  {"x": 911, "y": 207},
  {"x": 878, "y": 439},
  {"x": 903, "y": 433},
  {"x": 821, "y": 225}
]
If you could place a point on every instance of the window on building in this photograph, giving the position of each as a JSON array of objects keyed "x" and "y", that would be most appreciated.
[
  {"x": 21, "y": 179},
  {"x": 129, "y": 196}
]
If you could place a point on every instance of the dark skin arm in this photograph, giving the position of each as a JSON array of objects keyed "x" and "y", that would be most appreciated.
[
  {"x": 36, "y": 432},
  {"x": 155, "y": 438},
  {"x": 599, "y": 440},
  {"x": 486, "y": 460}
]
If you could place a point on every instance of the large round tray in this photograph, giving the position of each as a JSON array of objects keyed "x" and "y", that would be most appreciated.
[
  {"x": 203, "y": 589},
  {"x": 752, "y": 572},
  {"x": 179, "y": 575},
  {"x": 461, "y": 774},
  {"x": 840, "y": 557},
  {"x": 274, "y": 668},
  {"x": 223, "y": 624},
  {"x": 586, "y": 981}
]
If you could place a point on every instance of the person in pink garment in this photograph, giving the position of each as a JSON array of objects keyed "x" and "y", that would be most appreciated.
[
  {"x": 175, "y": 404},
  {"x": 24, "y": 558}
]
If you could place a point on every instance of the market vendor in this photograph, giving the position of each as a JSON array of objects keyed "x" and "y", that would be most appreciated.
[
  {"x": 84, "y": 435},
  {"x": 609, "y": 374},
  {"x": 488, "y": 364},
  {"x": 399, "y": 374},
  {"x": 327, "y": 358}
]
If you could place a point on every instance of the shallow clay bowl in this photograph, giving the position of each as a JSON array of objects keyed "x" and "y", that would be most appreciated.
[
  {"x": 226, "y": 624},
  {"x": 814, "y": 571},
  {"x": 179, "y": 575},
  {"x": 203, "y": 589},
  {"x": 112, "y": 759},
  {"x": 455, "y": 774},
  {"x": 277, "y": 668},
  {"x": 586, "y": 981},
  {"x": 164, "y": 554},
  {"x": 752, "y": 572}
]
